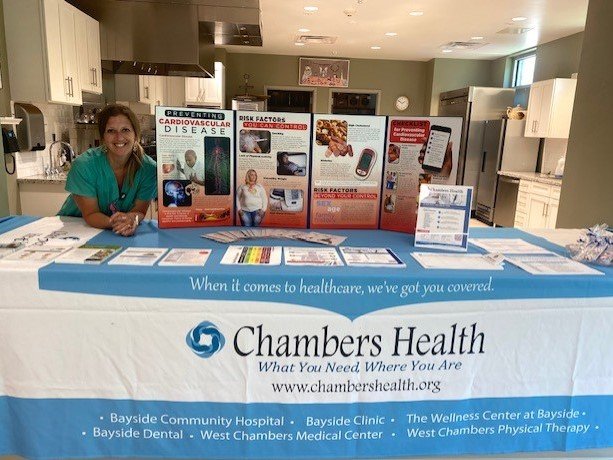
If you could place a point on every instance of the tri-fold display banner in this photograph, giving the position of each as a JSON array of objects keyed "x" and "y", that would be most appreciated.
[
  {"x": 298, "y": 170},
  {"x": 195, "y": 159}
]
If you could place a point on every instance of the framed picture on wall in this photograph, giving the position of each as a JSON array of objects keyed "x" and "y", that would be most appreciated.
[{"x": 323, "y": 72}]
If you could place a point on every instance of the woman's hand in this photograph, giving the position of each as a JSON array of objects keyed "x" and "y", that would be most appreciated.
[{"x": 124, "y": 223}]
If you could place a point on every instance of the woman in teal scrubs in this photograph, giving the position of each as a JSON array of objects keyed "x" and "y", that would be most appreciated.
[{"x": 111, "y": 186}]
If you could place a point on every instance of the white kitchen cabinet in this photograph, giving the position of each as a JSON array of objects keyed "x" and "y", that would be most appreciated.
[
  {"x": 146, "y": 89},
  {"x": 41, "y": 199},
  {"x": 550, "y": 108},
  {"x": 537, "y": 205},
  {"x": 175, "y": 91},
  {"x": 194, "y": 90},
  {"x": 206, "y": 91},
  {"x": 42, "y": 50},
  {"x": 134, "y": 88},
  {"x": 149, "y": 89},
  {"x": 202, "y": 91},
  {"x": 88, "y": 53},
  {"x": 159, "y": 84}
]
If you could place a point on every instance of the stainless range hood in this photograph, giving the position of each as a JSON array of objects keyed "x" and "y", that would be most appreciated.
[{"x": 169, "y": 37}]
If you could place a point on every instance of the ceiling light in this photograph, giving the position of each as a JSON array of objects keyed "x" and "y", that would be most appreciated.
[
  {"x": 519, "y": 18},
  {"x": 476, "y": 38},
  {"x": 375, "y": 47},
  {"x": 310, "y": 9},
  {"x": 447, "y": 51},
  {"x": 299, "y": 44},
  {"x": 390, "y": 34},
  {"x": 304, "y": 30},
  {"x": 416, "y": 13}
]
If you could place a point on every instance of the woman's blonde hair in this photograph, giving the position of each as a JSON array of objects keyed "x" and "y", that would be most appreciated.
[
  {"x": 136, "y": 158},
  {"x": 247, "y": 175}
]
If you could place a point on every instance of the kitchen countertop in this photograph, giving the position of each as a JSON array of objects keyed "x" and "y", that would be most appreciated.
[
  {"x": 43, "y": 179},
  {"x": 548, "y": 179}
]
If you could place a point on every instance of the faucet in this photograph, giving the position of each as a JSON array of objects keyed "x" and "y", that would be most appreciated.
[{"x": 54, "y": 167}]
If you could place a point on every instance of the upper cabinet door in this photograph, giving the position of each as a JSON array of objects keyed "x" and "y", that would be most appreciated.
[
  {"x": 58, "y": 85},
  {"x": 145, "y": 89},
  {"x": 550, "y": 108},
  {"x": 69, "y": 52},
  {"x": 88, "y": 52},
  {"x": 42, "y": 51},
  {"x": 93, "y": 53}
]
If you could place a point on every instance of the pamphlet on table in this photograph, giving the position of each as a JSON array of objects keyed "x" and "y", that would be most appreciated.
[
  {"x": 36, "y": 254},
  {"x": 508, "y": 246},
  {"x": 139, "y": 256},
  {"x": 272, "y": 168},
  {"x": 252, "y": 255},
  {"x": 550, "y": 265},
  {"x": 180, "y": 257},
  {"x": 419, "y": 150},
  {"x": 88, "y": 254},
  {"x": 371, "y": 257},
  {"x": 325, "y": 257},
  {"x": 442, "y": 261},
  {"x": 443, "y": 217},
  {"x": 346, "y": 176},
  {"x": 195, "y": 158}
]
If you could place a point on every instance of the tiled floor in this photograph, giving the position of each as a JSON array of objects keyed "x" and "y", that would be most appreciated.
[{"x": 477, "y": 223}]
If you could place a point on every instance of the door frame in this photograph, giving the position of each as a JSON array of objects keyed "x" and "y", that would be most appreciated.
[
  {"x": 358, "y": 91},
  {"x": 302, "y": 89}
]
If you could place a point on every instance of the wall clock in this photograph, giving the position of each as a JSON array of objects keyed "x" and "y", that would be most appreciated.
[{"x": 402, "y": 103}]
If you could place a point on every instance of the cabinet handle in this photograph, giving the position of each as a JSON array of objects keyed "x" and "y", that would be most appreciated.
[
  {"x": 534, "y": 126},
  {"x": 71, "y": 94},
  {"x": 146, "y": 92},
  {"x": 67, "y": 86},
  {"x": 547, "y": 209},
  {"x": 93, "y": 80}
]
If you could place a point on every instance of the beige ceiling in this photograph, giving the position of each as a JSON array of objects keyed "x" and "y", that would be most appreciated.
[{"x": 419, "y": 38}]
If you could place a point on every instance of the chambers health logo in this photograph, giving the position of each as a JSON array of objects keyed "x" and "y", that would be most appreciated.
[{"x": 205, "y": 339}]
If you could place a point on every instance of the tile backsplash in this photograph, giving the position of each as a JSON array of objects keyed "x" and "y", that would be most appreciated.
[
  {"x": 59, "y": 120},
  {"x": 553, "y": 150}
]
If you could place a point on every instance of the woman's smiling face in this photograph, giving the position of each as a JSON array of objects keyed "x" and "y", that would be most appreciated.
[{"x": 119, "y": 136}]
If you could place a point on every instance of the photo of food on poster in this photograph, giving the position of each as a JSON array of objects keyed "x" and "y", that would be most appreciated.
[
  {"x": 419, "y": 150},
  {"x": 272, "y": 169},
  {"x": 346, "y": 178},
  {"x": 195, "y": 167}
]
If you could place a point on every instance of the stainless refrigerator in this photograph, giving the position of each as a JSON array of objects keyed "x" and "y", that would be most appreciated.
[
  {"x": 504, "y": 149},
  {"x": 475, "y": 105}
]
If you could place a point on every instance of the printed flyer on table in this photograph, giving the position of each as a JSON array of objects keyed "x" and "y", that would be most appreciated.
[
  {"x": 347, "y": 164},
  {"x": 195, "y": 158},
  {"x": 272, "y": 169}
]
